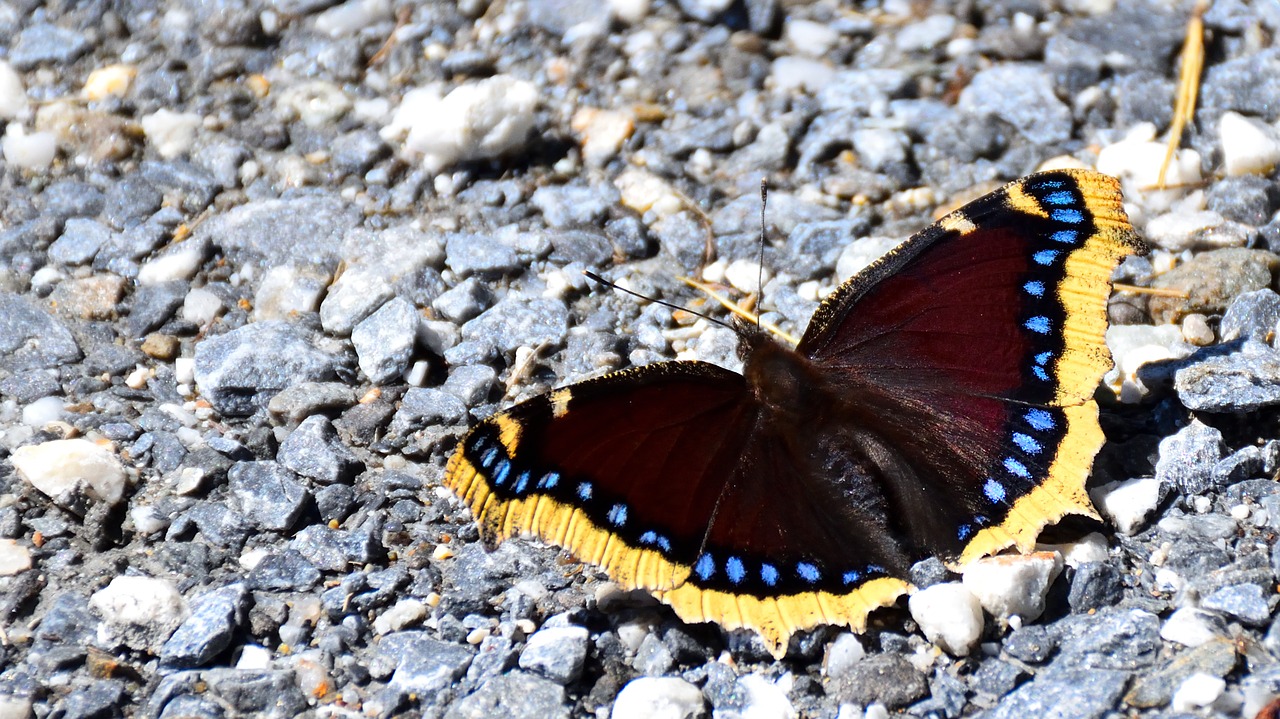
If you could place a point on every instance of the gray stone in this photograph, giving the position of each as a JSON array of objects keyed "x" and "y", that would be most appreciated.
[
  {"x": 102, "y": 698},
  {"x": 286, "y": 571},
  {"x": 268, "y": 495},
  {"x": 239, "y": 372},
  {"x": 1242, "y": 381},
  {"x": 335, "y": 550},
  {"x": 256, "y": 692},
  {"x": 1076, "y": 694},
  {"x": 295, "y": 231},
  {"x": 886, "y": 678},
  {"x": 556, "y": 653},
  {"x": 47, "y": 44},
  {"x": 217, "y": 523},
  {"x": 1187, "y": 459},
  {"x": 517, "y": 695},
  {"x": 314, "y": 450},
  {"x": 154, "y": 305},
  {"x": 471, "y": 383},
  {"x": 355, "y": 152},
  {"x": 519, "y": 322},
  {"x": 1095, "y": 585},
  {"x": 996, "y": 678},
  {"x": 304, "y": 399},
  {"x": 73, "y": 198},
  {"x": 208, "y": 631},
  {"x": 861, "y": 91},
  {"x": 1209, "y": 282},
  {"x": 1252, "y": 314},
  {"x": 28, "y": 386},
  {"x": 468, "y": 254},
  {"x": 423, "y": 665},
  {"x": 495, "y": 657},
  {"x": 385, "y": 340},
  {"x": 564, "y": 206},
  {"x": 1114, "y": 638},
  {"x": 79, "y": 242},
  {"x": 586, "y": 248},
  {"x": 1021, "y": 95},
  {"x": 1217, "y": 657},
  {"x": 1247, "y": 463},
  {"x": 31, "y": 338},
  {"x": 464, "y": 301},
  {"x": 1244, "y": 602}
]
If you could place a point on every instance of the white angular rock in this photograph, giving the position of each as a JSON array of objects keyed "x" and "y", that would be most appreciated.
[
  {"x": 13, "y": 98},
  {"x": 842, "y": 654},
  {"x": 28, "y": 151},
  {"x": 1249, "y": 146},
  {"x": 1128, "y": 503},
  {"x": 1197, "y": 691},
  {"x": 1190, "y": 627},
  {"x": 14, "y": 558},
  {"x": 71, "y": 470},
  {"x": 659, "y": 698},
  {"x": 766, "y": 698},
  {"x": 949, "y": 615},
  {"x": 140, "y": 612},
  {"x": 171, "y": 133},
  {"x": 1013, "y": 585}
]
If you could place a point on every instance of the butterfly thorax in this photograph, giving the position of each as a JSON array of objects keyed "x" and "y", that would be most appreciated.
[{"x": 784, "y": 382}]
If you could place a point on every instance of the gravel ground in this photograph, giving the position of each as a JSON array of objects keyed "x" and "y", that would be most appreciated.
[{"x": 262, "y": 264}]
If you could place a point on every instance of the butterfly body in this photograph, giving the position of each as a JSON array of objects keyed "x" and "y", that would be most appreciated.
[{"x": 939, "y": 404}]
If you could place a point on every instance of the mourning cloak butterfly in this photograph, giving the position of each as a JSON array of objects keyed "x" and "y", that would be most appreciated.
[{"x": 939, "y": 404}]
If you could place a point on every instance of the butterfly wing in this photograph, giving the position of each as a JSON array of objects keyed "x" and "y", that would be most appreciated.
[{"x": 974, "y": 350}]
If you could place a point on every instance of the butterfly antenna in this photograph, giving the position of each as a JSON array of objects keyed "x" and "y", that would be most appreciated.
[
  {"x": 664, "y": 303},
  {"x": 764, "y": 201}
]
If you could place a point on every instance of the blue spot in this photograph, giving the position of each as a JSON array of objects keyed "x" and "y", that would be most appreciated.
[
  {"x": 1067, "y": 237},
  {"x": 522, "y": 483},
  {"x": 850, "y": 577},
  {"x": 1045, "y": 257},
  {"x": 733, "y": 567},
  {"x": 1073, "y": 217},
  {"x": 1043, "y": 357},
  {"x": 769, "y": 574},
  {"x": 808, "y": 572},
  {"x": 994, "y": 491},
  {"x": 1060, "y": 198},
  {"x": 705, "y": 567},
  {"x": 664, "y": 544},
  {"x": 1038, "y": 324},
  {"x": 549, "y": 480},
  {"x": 501, "y": 472},
  {"x": 1028, "y": 445},
  {"x": 981, "y": 520},
  {"x": 1049, "y": 183},
  {"x": 478, "y": 444},
  {"x": 964, "y": 532},
  {"x": 875, "y": 569},
  {"x": 649, "y": 537},
  {"x": 1035, "y": 288},
  {"x": 584, "y": 491},
  {"x": 1040, "y": 373},
  {"x": 1040, "y": 420},
  {"x": 1016, "y": 467},
  {"x": 618, "y": 515},
  {"x": 488, "y": 457}
]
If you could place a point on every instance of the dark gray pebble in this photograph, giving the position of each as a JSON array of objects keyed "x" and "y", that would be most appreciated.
[
  {"x": 1114, "y": 638},
  {"x": 286, "y": 571},
  {"x": 268, "y": 495},
  {"x": 208, "y": 631},
  {"x": 47, "y": 44},
  {"x": 334, "y": 550},
  {"x": 1252, "y": 314},
  {"x": 516, "y": 695},
  {"x": 1187, "y": 459},
  {"x": 385, "y": 340},
  {"x": 463, "y": 301},
  {"x": 567, "y": 206},
  {"x": 886, "y": 678},
  {"x": 100, "y": 699},
  {"x": 1216, "y": 657},
  {"x": 423, "y": 665},
  {"x": 32, "y": 338},
  {"x": 302, "y": 400},
  {"x": 1078, "y": 693},
  {"x": 1095, "y": 585},
  {"x": 471, "y": 383},
  {"x": 80, "y": 241},
  {"x": 556, "y": 653},
  {"x": 314, "y": 450},
  {"x": 154, "y": 305},
  {"x": 468, "y": 254},
  {"x": 1244, "y": 380},
  {"x": 1244, "y": 602},
  {"x": 240, "y": 371}
]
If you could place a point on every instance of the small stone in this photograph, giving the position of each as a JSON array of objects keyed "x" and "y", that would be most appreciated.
[
  {"x": 286, "y": 571},
  {"x": 842, "y": 654},
  {"x": 14, "y": 558},
  {"x": 289, "y": 290},
  {"x": 405, "y": 613},
  {"x": 1014, "y": 584},
  {"x": 201, "y": 307},
  {"x": 32, "y": 338},
  {"x": 515, "y": 323},
  {"x": 471, "y": 383},
  {"x": 1119, "y": 638},
  {"x": 1242, "y": 381},
  {"x": 422, "y": 664},
  {"x": 515, "y": 695},
  {"x": 267, "y": 494},
  {"x": 47, "y": 44},
  {"x": 79, "y": 242},
  {"x": 659, "y": 698},
  {"x": 464, "y": 301},
  {"x": 602, "y": 133},
  {"x": 476, "y": 121},
  {"x": 765, "y": 698},
  {"x": 1210, "y": 281},
  {"x": 1136, "y": 160},
  {"x": 13, "y": 98},
  {"x": 468, "y": 254},
  {"x": 1252, "y": 314},
  {"x": 1178, "y": 231},
  {"x": 72, "y": 472},
  {"x": 1094, "y": 586},
  {"x": 1187, "y": 459},
  {"x": 34, "y": 151},
  {"x": 1086, "y": 694},
  {"x": 160, "y": 346},
  {"x": 1021, "y": 95},
  {"x": 1215, "y": 658},
  {"x": 141, "y": 611},
  {"x": 171, "y": 133},
  {"x": 1128, "y": 503},
  {"x": 1196, "y": 330},
  {"x": 385, "y": 340},
  {"x": 556, "y": 653},
  {"x": 949, "y": 615},
  {"x": 1244, "y": 602},
  {"x": 154, "y": 305},
  {"x": 240, "y": 371},
  {"x": 885, "y": 678},
  {"x": 209, "y": 630},
  {"x": 1249, "y": 147},
  {"x": 302, "y": 400},
  {"x": 314, "y": 450},
  {"x": 1197, "y": 691}
]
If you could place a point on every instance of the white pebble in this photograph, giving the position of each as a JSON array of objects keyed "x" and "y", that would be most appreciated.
[
  {"x": 1136, "y": 160},
  {"x": 318, "y": 103},
  {"x": 949, "y": 615},
  {"x": 184, "y": 370},
  {"x": 645, "y": 192},
  {"x": 630, "y": 11},
  {"x": 109, "y": 81},
  {"x": 406, "y": 612},
  {"x": 807, "y": 37},
  {"x": 147, "y": 520},
  {"x": 475, "y": 121},
  {"x": 255, "y": 657},
  {"x": 860, "y": 253},
  {"x": 1249, "y": 147},
  {"x": 137, "y": 379},
  {"x": 1013, "y": 585},
  {"x": 1189, "y": 626},
  {"x": 876, "y": 710},
  {"x": 1240, "y": 512},
  {"x": 1197, "y": 691},
  {"x": 352, "y": 17},
  {"x": 1092, "y": 547},
  {"x": 171, "y": 133},
  {"x": 33, "y": 151},
  {"x": 13, "y": 98},
  {"x": 767, "y": 699},
  {"x": 658, "y": 698},
  {"x": 633, "y": 631},
  {"x": 746, "y": 275},
  {"x": 178, "y": 264},
  {"x": 66, "y": 468},
  {"x": 602, "y": 133},
  {"x": 1128, "y": 503},
  {"x": 14, "y": 558},
  {"x": 201, "y": 306},
  {"x": 140, "y": 601},
  {"x": 842, "y": 655},
  {"x": 43, "y": 411},
  {"x": 1136, "y": 345},
  {"x": 286, "y": 291},
  {"x": 1178, "y": 231},
  {"x": 790, "y": 74}
]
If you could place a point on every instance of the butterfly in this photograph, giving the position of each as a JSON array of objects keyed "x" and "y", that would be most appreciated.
[{"x": 940, "y": 404}]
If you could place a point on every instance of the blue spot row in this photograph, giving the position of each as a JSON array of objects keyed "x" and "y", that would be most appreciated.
[
  {"x": 737, "y": 571},
  {"x": 1066, "y": 237},
  {"x": 618, "y": 515},
  {"x": 1072, "y": 217},
  {"x": 1062, "y": 197},
  {"x": 994, "y": 491},
  {"x": 1045, "y": 257},
  {"x": 1040, "y": 420},
  {"x": 1017, "y": 468},
  {"x": 1035, "y": 288},
  {"x": 1026, "y": 443},
  {"x": 653, "y": 539},
  {"x": 585, "y": 490},
  {"x": 1038, "y": 324}
]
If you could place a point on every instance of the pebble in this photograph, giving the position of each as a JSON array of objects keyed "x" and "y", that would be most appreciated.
[
  {"x": 140, "y": 612},
  {"x": 556, "y": 653},
  {"x": 463, "y": 301},
  {"x": 34, "y": 151},
  {"x": 171, "y": 133},
  {"x": 32, "y": 338},
  {"x": 766, "y": 698},
  {"x": 515, "y": 323},
  {"x": 43, "y": 411},
  {"x": 79, "y": 242},
  {"x": 72, "y": 472},
  {"x": 1024, "y": 97},
  {"x": 516, "y": 694},
  {"x": 1191, "y": 627},
  {"x": 1187, "y": 459},
  {"x": 1178, "y": 231},
  {"x": 210, "y": 628},
  {"x": 313, "y": 449},
  {"x": 1128, "y": 503},
  {"x": 888, "y": 679},
  {"x": 842, "y": 654},
  {"x": 1244, "y": 380},
  {"x": 1249, "y": 147},
  {"x": 47, "y": 44},
  {"x": 602, "y": 133},
  {"x": 1090, "y": 694},
  {"x": 659, "y": 698},
  {"x": 1216, "y": 658},
  {"x": 13, "y": 98},
  {"x": 468, "y": 254},
  {"x": 289, "y": 290},
  {"x": 15, "y": 558},
  {"x": 385, "y": 340},
  {"x": 239, "y": 372},
  {"x": 1136, "y": 160},
  {"x": 475, "y": 121},
  {"x": 949, "y": 615},
  {"x": 405, "y": 613},
  {"x": 267, "y": 495},
  {"x": 1013, "y": 585},
  {"x": 1197, "y": 692},
  {"x": 1244, "y": 602},
  {"x": 1210, "y": 281},
  {"x": 1095, "y": 585},
  {"x": 1253, "y": 314}
]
